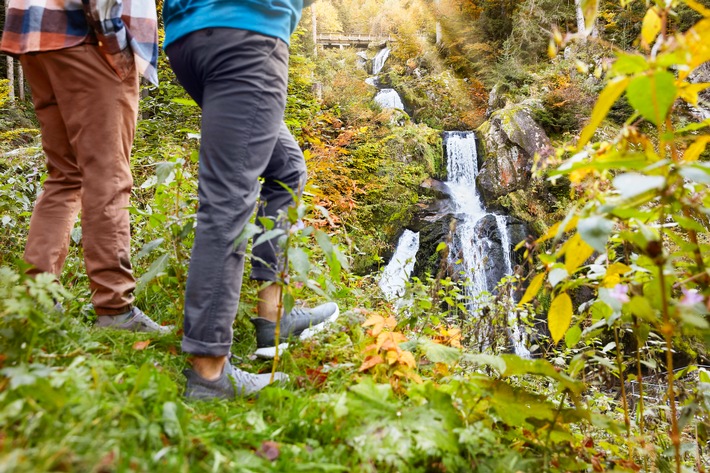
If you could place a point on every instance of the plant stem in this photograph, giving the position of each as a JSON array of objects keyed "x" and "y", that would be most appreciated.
[
  {"x": 667, "y": 331},
  {"x": 620, "y": 367}
]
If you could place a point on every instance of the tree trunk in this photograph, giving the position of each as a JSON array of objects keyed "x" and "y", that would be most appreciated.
[
  {"x": 581, "y": 25},
  {"x": 438, "y": 24},
  {"x": 315, "y": 29},
  {"x": 11, "y": 78},
  {"x": 21, "y": 82}
]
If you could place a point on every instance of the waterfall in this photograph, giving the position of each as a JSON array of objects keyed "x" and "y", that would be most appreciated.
[
  {"x": 477, "y": 231},
  {"x": 389, "y": 98},
  {"x": 462, "y": 168},
  {"x": 379, "y": 61},
  {"x": 505, "y": 242},
  {"x": 396, "y": 273}
]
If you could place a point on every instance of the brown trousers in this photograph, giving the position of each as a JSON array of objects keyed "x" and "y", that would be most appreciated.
[{"x": 87, "y": 116}]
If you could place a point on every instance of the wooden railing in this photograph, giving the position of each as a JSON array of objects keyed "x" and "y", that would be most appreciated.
[{"x": 350, "y": 38}]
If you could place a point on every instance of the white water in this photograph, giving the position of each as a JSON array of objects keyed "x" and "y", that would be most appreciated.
[
  {"x": 389, "y": 98},
  {"x": 396, "y": 273},
  {"x": 462, "y": 168},
  {"x": 379, "y": 60},
  {"x": 468, "y": 254}
]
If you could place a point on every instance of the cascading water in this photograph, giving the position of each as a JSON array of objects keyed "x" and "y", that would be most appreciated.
[
  {"x": 472, "y": 246},
  {"x": 379, "y": 60},
  {"x": 389, "y": 98},
  {"x": 397, "y": 271},
  {"x": 385, "y": 98}
]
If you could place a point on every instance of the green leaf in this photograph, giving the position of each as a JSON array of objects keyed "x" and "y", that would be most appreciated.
[
  {"x": 595, "y": 231},
  {"x": 299, "y": 261},
  {"x": 149, "y": 247},
  {"x": 269, "y": 235},
  {"x": 641, "y": 308},
  {"x": 607, "y": 98},
  {"x": 631, "y": 184},
  {"x": 153, "y": 271},
  {"x": 438, "y": 353},
  {"x": 185, "y": 102},
  {"x": 559, "y": 316},
  {"x": 163, "y": 171},
  {"x": 573, "y": 335},
  {"x": 653, "y": 95},
  {"x": 696, "y": 320},
  {"x": 492, "y": 361},
  {"x": 688, "y": 223},
  {"x": 249, "y": 231},
  {"x": 533, "y": 289},
  {"x": 629, "y": 64}
]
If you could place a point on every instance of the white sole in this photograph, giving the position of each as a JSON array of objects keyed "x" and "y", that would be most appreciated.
[{"x": 270, "y": 352}]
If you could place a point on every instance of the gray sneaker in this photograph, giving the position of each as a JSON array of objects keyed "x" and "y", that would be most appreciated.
[
  {"x": 136, "y": 321},
  {"x": 301, "y": 323},
  {"x": 231, "y": 383}
]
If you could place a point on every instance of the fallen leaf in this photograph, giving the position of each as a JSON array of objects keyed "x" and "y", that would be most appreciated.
[{"x": 141, "y": 345}]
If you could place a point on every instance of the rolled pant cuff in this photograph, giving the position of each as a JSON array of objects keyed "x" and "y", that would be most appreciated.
[
  {"x": 263, "y": 274},
  {"x": 119, "y": 311},
  {"x": 198, "y": 348}
]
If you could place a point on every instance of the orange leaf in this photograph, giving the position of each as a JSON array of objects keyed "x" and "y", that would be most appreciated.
[
  {"x": 390, "y": 340},
  {"x": 370, "y": 362},
  {"x": 377, "y": 322},
  {"x": 141, "y": 345}
]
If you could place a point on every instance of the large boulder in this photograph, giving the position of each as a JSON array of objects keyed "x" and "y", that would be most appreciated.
[
  {"x": 510, "y": 139},
  {"x": 701, "y": 75}
]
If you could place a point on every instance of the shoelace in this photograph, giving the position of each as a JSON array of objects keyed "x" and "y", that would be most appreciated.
[{"x": 146, "y": 321}]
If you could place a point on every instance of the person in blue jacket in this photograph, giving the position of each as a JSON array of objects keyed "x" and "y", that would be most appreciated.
[{"x": 232, "y": 57}]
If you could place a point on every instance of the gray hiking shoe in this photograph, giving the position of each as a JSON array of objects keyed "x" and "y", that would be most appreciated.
[
  {"x": 301, "y": 323},
  {"x": 231, "y": 383},
  {"x": 135, "y": 321}
]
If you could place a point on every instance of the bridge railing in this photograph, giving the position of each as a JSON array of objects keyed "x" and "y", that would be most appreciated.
[{"x": 351, "y": 37}]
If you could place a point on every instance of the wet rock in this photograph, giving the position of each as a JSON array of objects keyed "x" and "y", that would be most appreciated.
[{"x": 510, "y": 138}]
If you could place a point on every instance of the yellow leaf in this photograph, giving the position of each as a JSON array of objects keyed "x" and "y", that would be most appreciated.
[
  {"x": 650, "y": 27},
  {"x": 698, "y": 8},
  {"x": 607, "y": 98},
  {"x": 559, "y": 317},
  {"x": 577, "y": 251},
  {"x": 555, "y": 229},
  {"x": 407, "y": 358},
  {"x": 689, "y": 92},
  {"x": 392, "y": 357},
  {"x": 696, "y": 149},
  {"x": 613, "y": 274},
  {"x": 533, "y": 289},
  {"x": 590, "y": 8}
]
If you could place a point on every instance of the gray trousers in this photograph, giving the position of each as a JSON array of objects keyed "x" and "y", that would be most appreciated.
[{"x": 239, "y": 79}]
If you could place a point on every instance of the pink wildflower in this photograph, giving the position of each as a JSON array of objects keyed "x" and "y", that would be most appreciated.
[
  {"x": 620, "y": 293},
  {"x": 691, "y": 297}
]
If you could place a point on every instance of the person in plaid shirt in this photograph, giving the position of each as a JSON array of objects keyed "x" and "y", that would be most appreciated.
[{"x": 81, "y": 60}]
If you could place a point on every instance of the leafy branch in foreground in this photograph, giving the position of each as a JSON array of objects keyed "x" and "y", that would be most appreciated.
[{"x": 637, "y": 235}]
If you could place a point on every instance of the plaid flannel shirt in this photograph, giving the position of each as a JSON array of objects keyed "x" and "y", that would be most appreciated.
[{"x": 49, "y": 25}]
